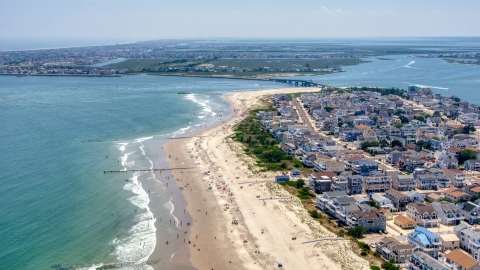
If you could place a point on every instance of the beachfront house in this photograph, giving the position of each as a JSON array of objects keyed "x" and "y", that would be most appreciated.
[
  {"x": 469, "y": 239},
  {"x": 426, "y": 241},
  {"x": 424, "y": 215},
  {"x": 448, "y": 213},
  {"x": 392, "y": 249}
]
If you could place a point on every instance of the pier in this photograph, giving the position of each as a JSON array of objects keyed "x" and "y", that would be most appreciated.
[{"x": 147, "y": 170}]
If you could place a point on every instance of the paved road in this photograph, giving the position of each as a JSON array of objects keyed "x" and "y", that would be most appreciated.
[{"x": 303, "y": 115}]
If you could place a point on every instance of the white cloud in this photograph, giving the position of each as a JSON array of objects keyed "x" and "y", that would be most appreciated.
[{"x": 326, "y": 9}]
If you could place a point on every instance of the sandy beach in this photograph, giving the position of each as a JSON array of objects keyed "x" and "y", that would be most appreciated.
[{"x": 263, "y": 237}]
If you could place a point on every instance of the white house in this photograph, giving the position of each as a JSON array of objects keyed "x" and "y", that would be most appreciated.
[{"x": 382, "y": 201}]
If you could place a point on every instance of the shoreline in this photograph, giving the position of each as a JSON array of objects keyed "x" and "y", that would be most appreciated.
[{"x": 266, "y": 228}]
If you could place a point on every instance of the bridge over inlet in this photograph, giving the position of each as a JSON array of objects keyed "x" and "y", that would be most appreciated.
[{"x": 297, "y": 82}]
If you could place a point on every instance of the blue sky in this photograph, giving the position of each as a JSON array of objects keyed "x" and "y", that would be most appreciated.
[{"x": 129, "y": 20}]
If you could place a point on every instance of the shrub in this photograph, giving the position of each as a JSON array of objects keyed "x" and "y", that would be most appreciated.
[
  {"x": 356, "y": 232},
  {"x": 314, "y": 214}
]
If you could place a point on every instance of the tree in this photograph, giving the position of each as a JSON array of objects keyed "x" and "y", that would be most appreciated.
[
  {"x": 356, "y": 232},
  {"x": 465, "y": 155},
  {"x": 436, "y": 138},
  {"x": 374, "y": 204},
  {"x": 383, "y": 143},
  {"x": 399, "y": 112},
  {"x": 436, "y": 114},
  {"x": 300, "y": 183},
  {"x": 390, "y": 265},
  {"x": 397, "y": 143},
  {"x": 420, "y": 118},
  {"x": 374, "y": 267},
  {"x": 403, "y": 119},
  {"x": 468, "y": 129},
  {"x": 365, "y": 145},
  {"x": 328, "y": 109}
]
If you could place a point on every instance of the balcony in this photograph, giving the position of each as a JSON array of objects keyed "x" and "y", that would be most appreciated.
[
  {"x": 413, "y": 265},
  {"x": 474, "y": 245}
]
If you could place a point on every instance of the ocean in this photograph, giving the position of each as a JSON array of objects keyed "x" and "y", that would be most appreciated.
[{"x": 58, "y": 208}]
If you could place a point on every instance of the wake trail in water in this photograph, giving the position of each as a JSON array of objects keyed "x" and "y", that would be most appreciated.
[{"x": 435, "y": 87}]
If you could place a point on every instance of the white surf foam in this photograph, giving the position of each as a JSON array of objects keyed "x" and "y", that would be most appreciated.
[
  {"x": 133, "y": 251},
  {"x": 435, "y": 87},
  {"x": 206, "y": 107},
  {"x": 121, "y": 146},
  {"x": 139, "y": 245}
]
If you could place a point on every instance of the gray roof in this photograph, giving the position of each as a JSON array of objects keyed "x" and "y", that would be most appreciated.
[
  {"x": 346, "y": 200},
  {"x": 422, "y": 208},
  {"x": 352, "y": 208},
  {"x": 430, "y": 261},
  {"x": 377, "y": 197},
  {"x": 446, "y": 207},
  {"x": 412, "y": 192},
  {"x": 333, "y": 194},
  {"x": 395, "y": 193},
  {"x": 469, "y": 206},
  {"x": 405, "y": 177}
]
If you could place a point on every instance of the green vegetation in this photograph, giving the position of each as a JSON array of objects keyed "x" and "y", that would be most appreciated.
[
  {"x": 383, "y": 91},
  {"x": 444, "y": 200},
  {"x": 294, "y": 95},
  {"x": 374, "y": 267},
  {"x": 243, "y": 67},
  {"x": 424, "y": 145},
  {"x": 463, "y": 62},
  {"x": 314, "y": 214},
  {"x": 356, "y": 232},
  {"x": 465, "y": 155},
  {"x": 365, "y": 249},
  {"x": 390, "y": 265},
  {"x": 365, "y": 145},
  {"x": 373, "y": 204},
  {"x": 328, "y": 109},
  {"x": 296, "y": 184},
  {"x": 436, "y": 138},
  {"x": 305, "y": 194},
  {"x": 468, "y": 129},
  {"x": 397, "y": 143},
  {"x": 419, "y": 118},
  {"x": 261, "y": 144},
  {"x": 436, "y": 114}
]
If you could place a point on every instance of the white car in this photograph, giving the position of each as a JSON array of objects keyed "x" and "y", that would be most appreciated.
[{"x": 372, "y": 245}]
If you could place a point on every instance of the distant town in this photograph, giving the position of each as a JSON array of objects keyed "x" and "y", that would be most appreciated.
[
  {"x": 161, "y": 57},
  {"x": 201, "y": 58},
  {"x": 398, "y": 167}
]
